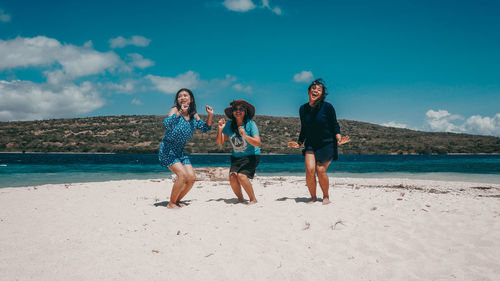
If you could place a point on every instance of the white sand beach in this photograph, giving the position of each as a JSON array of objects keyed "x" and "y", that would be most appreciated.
[{"x": 375, "y": 229}]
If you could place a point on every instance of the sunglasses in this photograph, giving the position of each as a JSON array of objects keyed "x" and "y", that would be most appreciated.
[{"x": 239, "y": 109}]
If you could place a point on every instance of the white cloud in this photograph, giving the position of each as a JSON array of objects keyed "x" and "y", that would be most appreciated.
[
  {"x": 73, "y": 61},
  {"x": 440, "y": 114},
  {"x": 241, "y": 88},
  {"x": 239, "y": 5},
  {"x": 276, "y": 10},
  {"x": 88, "y": 44},
  {"x": 304, "y": 76},
  {"x": 216, "y": 85},
  {"x": 483, "y": 125},
  {"x": 191, "y": 80},
  {"x": 136, "y": 102},
  {"x": 395, "y": 125},
  {"x": 120, "y": 42},
  {"x": 247, "y": 5},
  {"x": 442, "y": 120},
  {"x": 22, "y": 52},
  {"x": 126, "y": 87},
  {"x": 170, "y": 85},
  {"x": 78, "y": 63},
  {"x": 4, "y": 17},
  {"x": 136, "y": 60},
  {"x": 25, "y": 100}
]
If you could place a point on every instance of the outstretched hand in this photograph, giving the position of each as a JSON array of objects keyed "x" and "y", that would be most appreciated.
[
  {"x": 209, "y": 110},
  {"x": 221, "y": 124},
  {"x": 293, "y": 144},
  {"x": 344, "y": 140}
]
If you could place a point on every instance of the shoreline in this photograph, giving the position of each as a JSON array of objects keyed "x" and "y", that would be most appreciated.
[
  {"x": 201, "y": 175},
  {"x": 388, "y": 154}
]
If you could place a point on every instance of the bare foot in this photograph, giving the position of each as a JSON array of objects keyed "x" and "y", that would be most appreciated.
[
  {"x": 241, "y": 200},
  {"x": 313, "y": 199},
  {"x": 252, "y": 202},
  {"x": 172, "y": 206},
  {"x": 326, "y": 201},
  {"x": 180, "y": 204}
]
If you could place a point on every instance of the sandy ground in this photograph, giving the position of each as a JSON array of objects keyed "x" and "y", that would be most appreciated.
[{"x": 375, "y": 229}]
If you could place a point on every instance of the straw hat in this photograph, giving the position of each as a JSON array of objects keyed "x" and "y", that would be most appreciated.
[{"x": 250, "y": 108}]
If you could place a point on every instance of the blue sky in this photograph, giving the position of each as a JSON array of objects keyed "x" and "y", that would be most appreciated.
[{"x": 426, "y": 65}]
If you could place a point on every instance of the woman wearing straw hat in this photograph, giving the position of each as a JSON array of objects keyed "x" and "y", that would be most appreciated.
[{"x": 243, "y": 134}]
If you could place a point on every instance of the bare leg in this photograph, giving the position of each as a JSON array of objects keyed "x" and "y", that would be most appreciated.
[
  {"x": 190, "y": 178},
  {"x": 235, "y": 185},
  {"x": 247, "y": 185},
  {"x": 324, "y": 182},
  {"x": 178, "y": 169},
  {"x": 311, "y": 174}
]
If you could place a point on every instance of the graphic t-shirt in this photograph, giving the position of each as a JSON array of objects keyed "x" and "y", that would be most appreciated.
[{"x": 241, "y": 147}]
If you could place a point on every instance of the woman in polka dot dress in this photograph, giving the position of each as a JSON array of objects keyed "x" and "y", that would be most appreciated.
[{"x": 180, "y": 125}]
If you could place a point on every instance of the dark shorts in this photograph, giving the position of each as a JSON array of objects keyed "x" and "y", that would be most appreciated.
[
  {"x": 245, "y": 165},
  {"x": 323, "y": 154}
]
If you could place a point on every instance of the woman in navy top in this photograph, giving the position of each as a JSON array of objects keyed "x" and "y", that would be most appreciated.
[
  {"x": 320, "y": 134},
  {"x": 180, "y": 125}
]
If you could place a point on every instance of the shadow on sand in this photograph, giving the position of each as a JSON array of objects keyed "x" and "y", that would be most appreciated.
[
  {"x": 298, "y": 199},
  {"x": 165, "y": 203},
  {"x": 227, "y": 201}
]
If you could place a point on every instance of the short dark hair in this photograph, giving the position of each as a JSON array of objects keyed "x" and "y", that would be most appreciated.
[
  {"x": 192, "y": 105},
  {"x": 319, "y": 82}
]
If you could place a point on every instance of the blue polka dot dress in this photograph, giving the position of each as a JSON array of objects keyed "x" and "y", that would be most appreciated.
[{"x": 178, "y": 132}]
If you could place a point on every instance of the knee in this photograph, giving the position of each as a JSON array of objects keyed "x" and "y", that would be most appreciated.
[
  {"x": 321, "y": 169},
  {"x": 182, "y": 177},
  {"x": 190, "y": 179},
  {"x": 310, "y": 171},
  {"x": 242, "y": 177},
  {"x": 233, "y": 176}
]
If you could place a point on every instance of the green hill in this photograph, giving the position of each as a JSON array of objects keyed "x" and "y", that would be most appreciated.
[{"x": 143, "y": 133}]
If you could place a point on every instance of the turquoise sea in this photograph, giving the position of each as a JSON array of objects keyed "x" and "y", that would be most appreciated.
[{"x": 18, "y": 169}]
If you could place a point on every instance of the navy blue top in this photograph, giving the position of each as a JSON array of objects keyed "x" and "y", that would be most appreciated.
[{"x": 318, "y": 126}]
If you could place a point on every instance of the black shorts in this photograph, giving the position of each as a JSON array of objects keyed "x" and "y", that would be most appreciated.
[
  {"x": 244, "y": 165},
  {"x": 325, "y": 153}
]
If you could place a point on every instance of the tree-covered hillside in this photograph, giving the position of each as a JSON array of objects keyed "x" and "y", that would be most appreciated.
[{"x": 143, "y": 133}]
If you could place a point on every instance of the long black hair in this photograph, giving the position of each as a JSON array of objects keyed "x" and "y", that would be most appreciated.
[
  {"x": 319, "y": 82},
  {"x": 192, "y": 105},
  {"x": 234, "y": 123}
]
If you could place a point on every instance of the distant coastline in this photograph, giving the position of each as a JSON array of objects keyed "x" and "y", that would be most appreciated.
[
  {"x": 142, "y": 134},
  {"x": 224, "y": 153}
]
